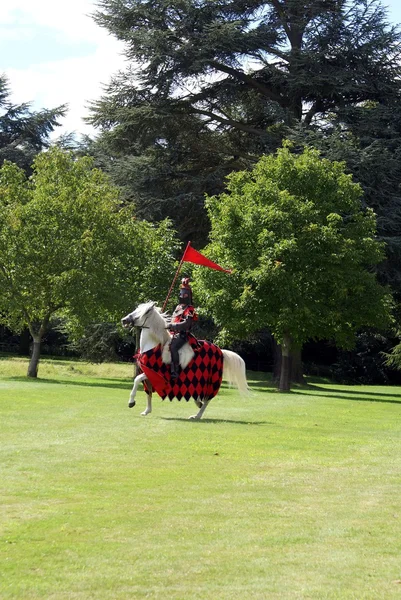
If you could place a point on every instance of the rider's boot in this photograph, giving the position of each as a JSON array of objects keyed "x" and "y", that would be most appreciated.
[{"x": 174, "y": 370}]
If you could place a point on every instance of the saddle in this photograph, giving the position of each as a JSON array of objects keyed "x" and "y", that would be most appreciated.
[
  {"x": 193, "y": 342},
  {"x": 186, "y": 353}
]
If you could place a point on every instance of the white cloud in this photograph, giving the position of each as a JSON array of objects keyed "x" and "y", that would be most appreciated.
[
  {"x": 73, "y": 81},
  {"x": 72, "y": 18}
]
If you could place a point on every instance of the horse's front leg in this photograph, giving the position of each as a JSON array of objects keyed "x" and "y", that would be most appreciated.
[
  {"x": 148, "y": 408},
  {"x": 138, "y": 379}
]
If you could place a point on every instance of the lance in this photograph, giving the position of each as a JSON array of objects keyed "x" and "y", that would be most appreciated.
[{"x": 175, "y": 277}]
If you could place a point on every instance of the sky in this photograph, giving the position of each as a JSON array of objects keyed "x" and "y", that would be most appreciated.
[{"x": 53, "y": 53}]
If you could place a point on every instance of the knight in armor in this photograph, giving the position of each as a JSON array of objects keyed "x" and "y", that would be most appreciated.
[{"x": 182, "y": 320}]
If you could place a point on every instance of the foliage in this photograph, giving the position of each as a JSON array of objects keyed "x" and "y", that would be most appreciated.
[
  {"x": 104, "y": 342},
  {"x": 371, "y": 148},
  {"x": 68, "y": 247},
  {"x": 302, "y": 249},
  {"x": 367, "y": 363},
  {"x": 393, "y": 358},
  {"x": 210, "y": 86},
  {"x": 24, "y": 133},
  {"x": 190, "y": 59}
]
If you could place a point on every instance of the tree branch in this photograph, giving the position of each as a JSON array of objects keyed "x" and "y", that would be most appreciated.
[
  {"x": 246, "y": 79},
  {"x": 279, "y": 8},
  {"x": 315, "y": 108},
  {"x": 230, "y": 122}
]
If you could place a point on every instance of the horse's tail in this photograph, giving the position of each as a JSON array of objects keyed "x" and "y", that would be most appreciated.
[{"x": 234, "y": 371}]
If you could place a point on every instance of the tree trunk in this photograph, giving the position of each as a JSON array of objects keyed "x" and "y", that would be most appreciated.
[
  {"x": 34, "y": 362},
  {"x": 296, "y": 372},
  {"x": 37, "y": 336},
  {"x": 285, "y": 375}
]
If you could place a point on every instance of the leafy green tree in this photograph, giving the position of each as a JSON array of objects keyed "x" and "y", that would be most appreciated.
[
  {"x": 211, "y": 86},
  {"x": 393, "y": 358},
  {"x": 23, "y": 132},
  {"x": 68, "y": 248},
  {"x": 303, "y": 251}
]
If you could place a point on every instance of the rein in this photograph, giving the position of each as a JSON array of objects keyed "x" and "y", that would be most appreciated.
[{"x": 144, "y": 326}]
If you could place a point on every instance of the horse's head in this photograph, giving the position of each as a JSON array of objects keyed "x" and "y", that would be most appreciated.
[{"x": 139, "y": 316}]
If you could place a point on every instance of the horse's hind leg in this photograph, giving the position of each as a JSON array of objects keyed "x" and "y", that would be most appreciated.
[
  {"x": 148, "y": 408},
  {"x": 203, "y": 407}
]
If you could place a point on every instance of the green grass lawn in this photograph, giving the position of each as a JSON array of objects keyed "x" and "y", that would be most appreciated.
[{"x": 276, "y": 496}]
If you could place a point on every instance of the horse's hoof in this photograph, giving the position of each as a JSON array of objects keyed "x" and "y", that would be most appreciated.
[{"x": 131, "y": 404}]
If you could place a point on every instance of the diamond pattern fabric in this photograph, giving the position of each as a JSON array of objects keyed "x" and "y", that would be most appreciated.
[{"x": 201, "y": 380}]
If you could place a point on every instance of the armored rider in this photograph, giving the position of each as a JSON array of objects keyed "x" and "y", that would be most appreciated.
[{"x": 182, "y": 320}]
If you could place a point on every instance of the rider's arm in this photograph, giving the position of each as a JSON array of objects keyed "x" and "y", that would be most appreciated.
[{"x": 183, "y": 326}]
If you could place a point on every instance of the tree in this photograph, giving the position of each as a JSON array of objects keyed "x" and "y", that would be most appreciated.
[
  {"x": 68, "y": 248},
  {"x": 23, "y": 132},
  {"x": 213, "y": 85},
  {"x": 393, "y": 358},
  {"x": 303, "y": 251},
  {"x": 370, "y": 145}
]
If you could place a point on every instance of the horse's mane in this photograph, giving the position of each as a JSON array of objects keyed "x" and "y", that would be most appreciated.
[{"x": 156, "y": 318}]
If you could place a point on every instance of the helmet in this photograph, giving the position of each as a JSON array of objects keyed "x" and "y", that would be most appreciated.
[{"x": 185, "y": 296}]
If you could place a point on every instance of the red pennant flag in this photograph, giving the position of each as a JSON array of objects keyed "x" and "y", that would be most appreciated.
[{"x": 193, "y": 256}]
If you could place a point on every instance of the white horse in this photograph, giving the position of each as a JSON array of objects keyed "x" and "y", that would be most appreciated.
[{"x": 155, "y": 334}]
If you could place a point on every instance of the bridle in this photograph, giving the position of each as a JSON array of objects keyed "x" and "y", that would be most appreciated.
[{"x": 144, "y": 326}]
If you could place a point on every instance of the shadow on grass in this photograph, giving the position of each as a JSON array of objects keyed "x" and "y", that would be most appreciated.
[
  {"x": 261, "y": 385},
  {"x": 44, "y": 358},
  {"x": 310, "y": 389},
  {"x": 349, "y": 391},
  {"x": 188, "y": 420},
  {"x": 110, "y": 383},
  {"x": 346, "y": 394},
  {"x": 342, "y": 395}
]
